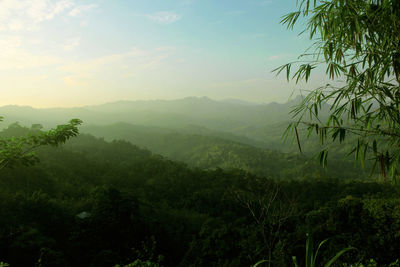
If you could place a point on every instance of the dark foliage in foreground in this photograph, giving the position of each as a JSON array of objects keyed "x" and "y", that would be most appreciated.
[{"x": 94, "y": 203}]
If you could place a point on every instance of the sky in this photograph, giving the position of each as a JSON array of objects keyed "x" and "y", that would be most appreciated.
[{"x": 62, "y": 53}]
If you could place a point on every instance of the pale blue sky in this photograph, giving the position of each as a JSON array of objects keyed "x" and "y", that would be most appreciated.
[{"x": 83, "y": 52}]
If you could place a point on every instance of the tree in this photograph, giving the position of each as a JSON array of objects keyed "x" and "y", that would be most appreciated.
[
  {"x": 270, "y": 208},
  {"x": 20, "y": 149},
  {"x": 358, "y": 42}
]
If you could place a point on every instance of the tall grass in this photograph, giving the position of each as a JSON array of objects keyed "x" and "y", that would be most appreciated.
[{"x": 311, "y": 257}]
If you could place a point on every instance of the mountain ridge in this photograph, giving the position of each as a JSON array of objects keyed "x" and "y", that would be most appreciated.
[{"x": 251, "y": 121}]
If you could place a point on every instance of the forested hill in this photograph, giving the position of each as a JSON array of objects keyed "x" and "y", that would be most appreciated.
[
  {"x": 97, "y": 203},
  {"x": 210, "y": 150}
]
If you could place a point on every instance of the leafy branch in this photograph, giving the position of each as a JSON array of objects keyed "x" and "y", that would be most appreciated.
[
  {"x": 20, "y": 150},
  {"x": 359, "y": 43}
]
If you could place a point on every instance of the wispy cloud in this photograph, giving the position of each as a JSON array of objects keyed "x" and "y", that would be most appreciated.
[
  {"x": 81, "y": 9},
  {"x": 26, "y": 15},
  {"x": 55, "y": 9},
  {"x": 87, "y": 66},
  {"x": 125, "y": 64},
  {"x": 71, "y": 44},
  {"x": 14, "y": 57},
  {"x": 164, "y": 17}
]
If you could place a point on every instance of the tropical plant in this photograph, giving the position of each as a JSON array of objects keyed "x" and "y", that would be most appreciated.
[
  {"x": 358, "y": 44},
  {"x": 311, "y": 257}
]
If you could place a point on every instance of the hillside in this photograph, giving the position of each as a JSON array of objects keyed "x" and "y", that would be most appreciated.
[
  {"x": 97, "y": 203},
  {"x": 210, "y": 151}
]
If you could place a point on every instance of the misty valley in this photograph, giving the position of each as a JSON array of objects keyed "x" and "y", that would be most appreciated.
[{"x": 188, "y": 182}]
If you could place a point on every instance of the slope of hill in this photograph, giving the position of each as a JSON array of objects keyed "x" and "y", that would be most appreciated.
[
  {"x": 210, "y": 151},
  {"x": 97, "y": 203}
]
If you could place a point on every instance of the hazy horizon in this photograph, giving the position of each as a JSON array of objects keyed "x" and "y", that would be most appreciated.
[
  {"x": 222, "y": 100},
  {"x": 68, "y": 53}
]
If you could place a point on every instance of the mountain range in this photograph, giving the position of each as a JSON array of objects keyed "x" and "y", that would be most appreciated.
[
  {"x": 202, "y": 132},
  {"x": 230, "y": 116}
]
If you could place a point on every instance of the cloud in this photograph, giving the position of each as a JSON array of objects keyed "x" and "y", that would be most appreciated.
[
  {"x": 71, "y": 44},
  {"x": 58, "y": 8},
  {"x": 164, "y": 17},
  {"x": 81, "y": 9},
  {"x": 27, "y": 15},
  {"x": 9, "y": 44},
  {"x": 14, "y": 57},
  {"x": 15, "y": 25},
  {"x": 274, "y": 57},
  {"x": 108, "y": 67}
]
